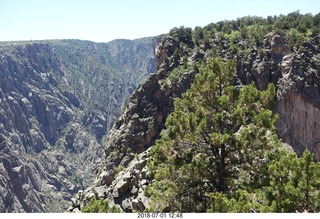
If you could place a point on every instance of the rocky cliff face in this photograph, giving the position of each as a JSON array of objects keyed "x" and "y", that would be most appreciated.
[
  {"x": 52, "y": 119},
  {"x": 299, "y": 105},
  {"x": 296, "y": 76},
  {"x": 124, "y": 174}
]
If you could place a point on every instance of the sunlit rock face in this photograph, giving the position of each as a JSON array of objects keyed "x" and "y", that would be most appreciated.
[{"x": 58, "y": 99}]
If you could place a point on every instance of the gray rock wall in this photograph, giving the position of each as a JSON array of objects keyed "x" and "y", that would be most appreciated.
[{"x": 50, "y": 128}]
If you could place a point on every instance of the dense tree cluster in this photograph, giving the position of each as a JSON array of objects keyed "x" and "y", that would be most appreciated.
[
  {"x": 220, "y": 152},
  {"x": 184, "y": 34},
  {"x": 249, "y": 31}
]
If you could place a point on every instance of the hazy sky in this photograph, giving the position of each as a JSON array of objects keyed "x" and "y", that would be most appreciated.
[{"x": 105, "y": 20}]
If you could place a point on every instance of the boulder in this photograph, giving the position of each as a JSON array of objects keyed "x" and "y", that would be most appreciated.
[
  {"x": 106, "y": 177},
  {"x": 137, "y": 205},
  {"x": 123, "y": 186},
  {"x": 126, "y": 205},
  {"x": 279, "y": 46},
  {"x": 100, "y": 192}
]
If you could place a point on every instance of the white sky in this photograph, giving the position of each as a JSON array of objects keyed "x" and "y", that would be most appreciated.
[{"x": 105, "y": 20}]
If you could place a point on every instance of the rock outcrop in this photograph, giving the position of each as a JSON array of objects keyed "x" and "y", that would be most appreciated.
[
  {"x": 133, "y": 134},
  {"x": 296, "y": 76}
]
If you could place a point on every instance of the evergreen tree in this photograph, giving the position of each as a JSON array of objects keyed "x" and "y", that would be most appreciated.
[
  {"x": 216, "y": 132},
  {"x": 294, "y": 184},
  {"x": 287, "y": 184}
]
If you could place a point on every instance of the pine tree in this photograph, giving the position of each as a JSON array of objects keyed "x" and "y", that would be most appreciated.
[
  {"x": 216, "y": 133},
  {"x": 290, "y": 184},
  {"x": 294, "y": 184}
]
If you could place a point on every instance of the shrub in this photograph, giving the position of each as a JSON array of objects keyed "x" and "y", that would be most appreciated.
[{"x": 99, "y": 206}]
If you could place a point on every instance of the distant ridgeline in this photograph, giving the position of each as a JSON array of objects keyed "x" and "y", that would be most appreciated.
[
  {"x": 220, "y": 126},
  {"x": 58, "y": 99}
]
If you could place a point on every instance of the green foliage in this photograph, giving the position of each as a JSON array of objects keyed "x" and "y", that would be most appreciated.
[
  {"x": 235, "y": 37},
  {"x": 220, "y": 153},
  {"x": 99, "y": 206},
  {"x": 295, "y": 37},
  {"x": 242, "y": 201},
  {"x": 286, "y": 184},
  {"x": 215, "y": 131},
  {"x": 184, "y": 35},
  {"x": 198, "y": 35},
  {"x": 76, "y": 179},
  {"x": 176, "y": 73},
  {"x": 250, "y": 30},
  {"x": 119, "y": 169},
  {"x": 294, "y": 184}
]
